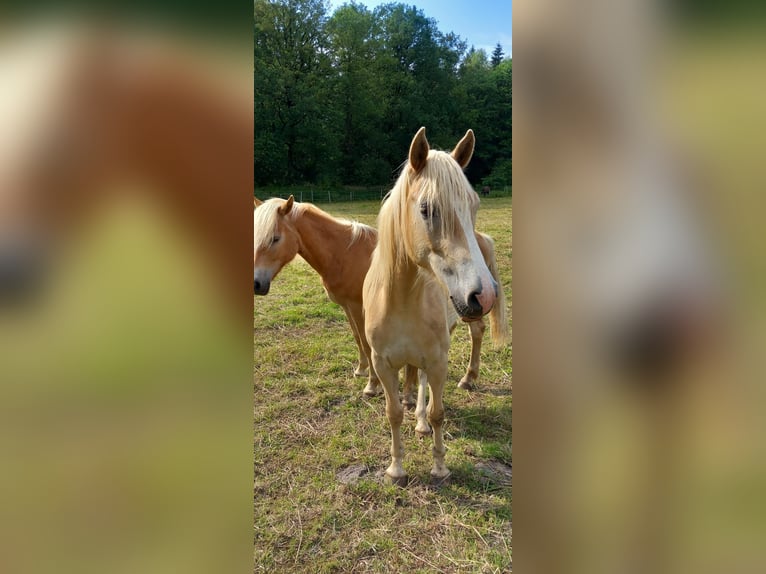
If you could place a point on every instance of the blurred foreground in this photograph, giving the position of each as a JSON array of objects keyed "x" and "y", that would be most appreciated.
[
  {"x": 125, "y": 362},
  {"x": 639, "y": 436}
]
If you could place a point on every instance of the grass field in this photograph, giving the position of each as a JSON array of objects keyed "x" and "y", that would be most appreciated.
[{"x": 313, "y": 427}]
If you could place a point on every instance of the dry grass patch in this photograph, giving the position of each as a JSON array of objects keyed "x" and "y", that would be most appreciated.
[{"x": 313, "y": 427}]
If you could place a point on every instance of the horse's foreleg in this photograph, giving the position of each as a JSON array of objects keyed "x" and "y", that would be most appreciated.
[
  {"x": 436, "y": 378},
  {"x": 468, "y": 381},
  {"x": 422, "y": 428},
  {"x": 410, "y": 379},
  {"x": 390, "y": 379}
]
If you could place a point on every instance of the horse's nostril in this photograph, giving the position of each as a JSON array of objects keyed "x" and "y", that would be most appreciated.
[
  {"x": 662, "y": 340},
  {"x": 20, "y": 276},
  {"x": 648, "y": 349},
  {"x": 473, "y": 302},
  {"x": 261, "y": 287}
]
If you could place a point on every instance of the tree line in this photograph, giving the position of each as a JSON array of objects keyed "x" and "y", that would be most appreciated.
[{"x": 338, "y": 96}]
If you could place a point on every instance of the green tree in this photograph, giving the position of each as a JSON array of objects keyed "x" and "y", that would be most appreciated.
[
  {"x": 338, "y": 98},
  {"x": 499, "y": 122},
  {"x": 484, "y": 98},
  {"x": 355, "y": 46},
  {"x": 472, "y": 93},
  {"x": 293, "y": 132},
  {"x": 419, "y": 67},
  {"x": 497, "y": 55}
]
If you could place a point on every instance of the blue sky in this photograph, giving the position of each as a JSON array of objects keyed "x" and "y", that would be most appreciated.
[{"x": 482, "y": 23}]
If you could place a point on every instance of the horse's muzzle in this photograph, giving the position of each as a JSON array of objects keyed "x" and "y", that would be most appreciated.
[
  {"x": 470, "y": 309},
  {"x": 665, "y": 337},
  {"x": 21, "y": 275},
  {"x": 261, "y": 287}
]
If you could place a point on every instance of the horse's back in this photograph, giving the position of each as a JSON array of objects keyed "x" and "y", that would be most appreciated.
[{"x": 347, "y": 285}]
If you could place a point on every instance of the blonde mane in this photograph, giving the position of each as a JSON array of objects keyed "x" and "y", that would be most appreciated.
[
  {"x": 265, "y": 218},
  {"x": 443, "y": 186},
  {"x": 265, "y": 222}
]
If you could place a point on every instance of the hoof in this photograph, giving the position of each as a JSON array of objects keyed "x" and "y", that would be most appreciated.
[
  {"x": 400, "y": 481},
  {"x": 370, "y": 391},
  {"x": 421, "y": 434},
  {"x": 438, "y": 481},
  {"x": 358, "y": 372},
  {"x": 466, "y": 385}
]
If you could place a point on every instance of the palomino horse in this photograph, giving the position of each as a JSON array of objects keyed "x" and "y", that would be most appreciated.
[
  {"x": 340, "y": 251},
  {"x": 426, "y": 247}
]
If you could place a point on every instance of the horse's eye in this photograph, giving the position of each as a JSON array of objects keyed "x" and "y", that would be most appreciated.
[
  {"x": 275, "y": 239},
  {"x": 428, "y": 212}
]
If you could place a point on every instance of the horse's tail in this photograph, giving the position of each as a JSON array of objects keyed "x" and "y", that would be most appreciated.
[{"x": 498, "y": 319}]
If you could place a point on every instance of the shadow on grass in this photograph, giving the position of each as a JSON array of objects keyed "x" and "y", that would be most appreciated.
[
  {"x": 486, "y": 432},
  {"x": 502, "y": 392},
  {"x": 481, "y": 423},
  {"x": 479, "y": 458},
  {"x": 467, "y": 488}
]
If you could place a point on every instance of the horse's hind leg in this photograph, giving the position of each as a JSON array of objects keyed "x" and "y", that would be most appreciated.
[
  {"x": 356, "y": 320},
  {"x": 362, "y": 369},
  {"x": 390, "y": 379},
  {"x": 422, "y": 429},
  {"x": 468, "y": 382},
  {"x": 373, "y": 388},
  {"x": 410, "y": 379}
]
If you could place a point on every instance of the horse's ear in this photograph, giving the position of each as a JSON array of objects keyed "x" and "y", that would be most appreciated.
[
  {"x": 257, "y": 202},
  {"x": 285, "y": 209},
  {"x": 419, "y": 150},
  {"x": 464, "y": 149}
]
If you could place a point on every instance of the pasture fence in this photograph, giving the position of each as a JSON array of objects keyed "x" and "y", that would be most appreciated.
[{"x": 337, "y": 195}]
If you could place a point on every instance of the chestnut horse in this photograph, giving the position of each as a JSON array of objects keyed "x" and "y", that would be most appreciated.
[
  {"x": 426, "y": 247},
  {"x": 87, "y": 113},
  {"x": 340, "y": 251}
]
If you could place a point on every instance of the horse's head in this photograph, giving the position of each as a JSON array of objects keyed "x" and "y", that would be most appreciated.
[
  {"x": 49, "y": 151},
  {"x": 622, "y": 273},
  {"x": 91, "y": 113},
  {"x": 275, "y": 241},
  {"x": 441, "y": 207}
]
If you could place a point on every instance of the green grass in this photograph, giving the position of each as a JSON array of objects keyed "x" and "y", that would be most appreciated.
[{"x": 311, "y": 421}]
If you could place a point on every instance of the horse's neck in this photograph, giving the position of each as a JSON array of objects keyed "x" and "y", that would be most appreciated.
[
  {"x": 406, "y": 283},
  {"x": 322, "y": 239}
]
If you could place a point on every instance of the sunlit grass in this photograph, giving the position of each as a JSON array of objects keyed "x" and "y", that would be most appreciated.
[{"x": 311, "y": 421}]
